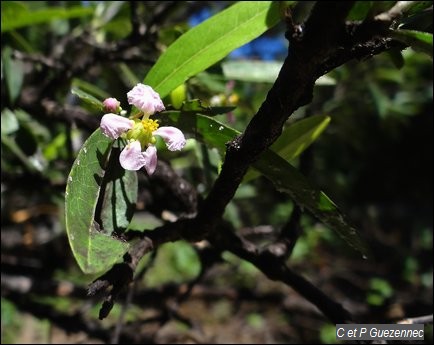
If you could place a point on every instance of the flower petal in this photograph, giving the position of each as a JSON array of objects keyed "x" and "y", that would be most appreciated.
[
  {"x": 172, "y": 136},
  {"x": 146, "y": 99},
  {"x": 113, "y": 125},
  {"x": 132, "y": 157},
  {"x": 150, "y": 159}
]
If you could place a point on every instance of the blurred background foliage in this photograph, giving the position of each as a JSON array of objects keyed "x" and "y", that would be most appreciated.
[{"x": 374, "y": 159}]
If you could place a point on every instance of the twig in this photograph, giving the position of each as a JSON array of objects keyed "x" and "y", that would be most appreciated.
[
  {"x": 418, "y": 320},
  {"x": 275, "y": 268}
]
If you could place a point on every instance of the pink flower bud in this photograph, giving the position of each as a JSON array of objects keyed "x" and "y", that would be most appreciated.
[
  {"x": 111, "y": 105},
  {"x": 145, "y": 99}
]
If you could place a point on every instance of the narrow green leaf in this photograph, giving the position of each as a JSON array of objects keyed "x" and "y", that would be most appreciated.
[
  {"x": 416, "y": 7},
  {"x": 284, "y": 176},
  {"x": 11, "y": 144},
  {"x": 418, "y": 40},
  {"x": 14, "y": 17},
  {"x": 89, "y": 88},
  {"x": 295, "y": 139},
  {"x": 211, "y": 41},
  {"x": 289, "y": 180},
  {"x": 195, "y": 106},
  {"x": 93, "y": 248},
  {"x": 252, "y": 71},
  {"x": 87, "y": 98},
  {"x": 261, "y": 72}
]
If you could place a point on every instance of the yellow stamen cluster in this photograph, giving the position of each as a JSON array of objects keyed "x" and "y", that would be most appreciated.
[{"x": 149, "y": 125}]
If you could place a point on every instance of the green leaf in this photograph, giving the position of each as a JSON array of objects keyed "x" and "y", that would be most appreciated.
[
  {"x": 9, "y": 122},
  {"x": 360, "y": 10},
  {"x": 418, "y": 40},
  {"x": 284, "y": 176},
  {"x": 180, "y": 261},
  {"x": 261, "y": 72},
  {"x": 396, "y": 57},
  {"x": 295, "y": 139},
  {"x": 94, "y": 249},
  {"x": 195, "y": 106},
  {"x": 416, "y": 7},
  {"x": 87, "y": 98},
  {"x": 289, "y": 180},
  {"x": 120, "y": 194},
  {"x": 252, "y": 71},
  {"x": 89, "y": 88},
  {"x": 14, "y": 74},
  {"x": 14, "y": 17},
  {"x": 211, "y": 41}
]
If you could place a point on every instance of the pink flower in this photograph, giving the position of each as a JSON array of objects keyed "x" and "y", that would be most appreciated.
[
  {"x": 111, "y": 105},
  {"x": 113, "y": 125},
  {"x": 145, "y": 99},
  {"x": 140, "y": 151},
  {"x": 132, "y": 157}
]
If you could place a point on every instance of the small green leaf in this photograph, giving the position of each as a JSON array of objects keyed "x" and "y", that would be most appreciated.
[
  {"x": 14, "y": 17},
  {"x": 9, "y": 122},
  {"x": 295, "y": 139},
  {"x": 284, "y": 176},
  {"x": 210, "y": 41},
  {"x": 418, "y": 40},
  {"x": 93, "y": 248},
  {"x": 89, "y": 88},
  {"x": 87, "y": 98},
  {"x": 14, "y": 73}
]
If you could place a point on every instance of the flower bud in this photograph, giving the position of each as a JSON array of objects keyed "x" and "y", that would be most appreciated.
[{"x": 111, "y": 105}]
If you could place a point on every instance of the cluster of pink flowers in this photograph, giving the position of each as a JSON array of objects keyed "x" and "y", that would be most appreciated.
[{"x": 140, "y": 133}]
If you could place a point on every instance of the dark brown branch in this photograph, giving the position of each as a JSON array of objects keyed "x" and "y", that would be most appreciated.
[
  {"x": 292, "y": 89},
  {"x": 179, "y": 189},
  {"x": 274, "y": 268}
]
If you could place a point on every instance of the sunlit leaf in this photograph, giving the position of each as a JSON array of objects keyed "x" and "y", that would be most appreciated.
[
  {"x": 252, "y": 71},
  {"x": 261, "y": 72},
  {"x": 210, "y": 41},
  {"x": 418, "y": 40},
  {"x": 14, "y": 17},
  {"x": 180, "y": 262},
  {"x": 9, "y": 122},
  {"x": 94, "y": 249}
]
